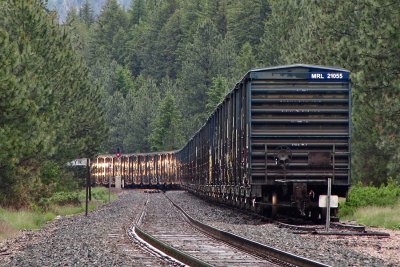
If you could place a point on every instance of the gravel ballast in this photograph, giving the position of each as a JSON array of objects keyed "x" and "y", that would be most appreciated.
[
  {"x": 97, "y": 240},
  {"x": 100, "y": 239},
  {"x": 331, "y": 250}
]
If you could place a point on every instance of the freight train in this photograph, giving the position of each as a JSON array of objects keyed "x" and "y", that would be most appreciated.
[
  {"x": 141, "y": 169},
  {"x": 272, "y": 143}
]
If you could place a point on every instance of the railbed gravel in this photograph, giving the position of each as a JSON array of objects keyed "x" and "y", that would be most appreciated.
[
  {"x": 100, "y": 240},
  {"x": 331, "y": 250},
  {"x": 96, "y": 240}
]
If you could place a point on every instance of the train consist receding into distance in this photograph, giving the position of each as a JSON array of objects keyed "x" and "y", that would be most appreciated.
[{"x": 272, "y": 143}]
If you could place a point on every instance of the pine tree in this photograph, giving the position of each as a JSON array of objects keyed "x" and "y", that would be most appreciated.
[
  {"x": 159, "y": 41},
  {"x": 246, "y": 60},
  {"x": 137, "y": 11},
  {"x": 166, "y": 132},
  {"x": 16, "y": 114},
  {"x": 54, "y": 109},
  {"x": 216, "y": 10},
  {"x": 139, "y": 110},
  {"x": 216, "y": 93},
  {"x": 114, "y": 119},
  {"x": 170, "y": 38},
  {"x": 86, "y": 13},
  {"x": 245, "y": 20},
  {"x": 377, "y": 82},
  {"x": 79, "y": 33},
  {"x": 198, "y": 71},
  {"x": 123, "y": 81},
  {"x": 110, "y": 33},
  {"x": 279, "y": 26},
  {"x": 225, "y": 61}
]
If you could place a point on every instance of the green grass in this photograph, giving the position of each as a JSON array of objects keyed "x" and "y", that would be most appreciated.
[
  {"x": 24, "y": 219},
  {"x": 387, "y": 217},
  {"x": 373, "y": 206},
  {"x": 99, "y": 194},
  {"x": 13, "y": 220}
]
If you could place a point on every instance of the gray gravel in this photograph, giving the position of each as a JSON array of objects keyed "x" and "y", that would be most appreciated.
[
  {"x": 329, "y": 250},
  {"x": 100, "y": 239},
  {"x": 96, "y": 240}
]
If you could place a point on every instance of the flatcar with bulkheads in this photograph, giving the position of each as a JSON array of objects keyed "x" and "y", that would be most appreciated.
[
  {"x": 274, "y": 142},
  {"x": 136, "y": 170}
]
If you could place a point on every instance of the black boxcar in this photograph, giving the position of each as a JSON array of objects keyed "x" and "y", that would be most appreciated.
[{"x": 274, "y": 140}]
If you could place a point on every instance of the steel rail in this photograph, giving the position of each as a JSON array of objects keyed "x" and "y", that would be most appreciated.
[
  {"x": 176, "y": 255},
  {"x": 250, "y": 246},
  {"x": 171, "y": 251}
]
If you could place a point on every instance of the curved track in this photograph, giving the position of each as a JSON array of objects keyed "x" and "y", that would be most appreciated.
[{"x": 164, "y": 225}]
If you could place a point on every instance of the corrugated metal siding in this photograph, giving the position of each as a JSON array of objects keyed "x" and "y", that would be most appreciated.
[
  {"x": 301, "y": 115},
  {"x": 217, "y": 153}
]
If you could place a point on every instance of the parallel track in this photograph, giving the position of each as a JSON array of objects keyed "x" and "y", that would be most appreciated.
[{"x": 172, "y": 231}]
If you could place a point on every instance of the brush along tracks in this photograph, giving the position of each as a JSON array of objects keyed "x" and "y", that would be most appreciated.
[{"x": 168, "y": 228}]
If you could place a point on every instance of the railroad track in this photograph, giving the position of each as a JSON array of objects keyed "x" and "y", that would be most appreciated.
[
  {"x": 169, "y": 232},
  {"x": 139, "y": 237}
]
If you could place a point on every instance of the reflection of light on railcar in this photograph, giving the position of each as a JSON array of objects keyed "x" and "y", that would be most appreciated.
[
  {"x": 168, "y": 168},
  {"x": 143, "y": 170},
  {"x": 123, "y": 161},
  {"x": 159, "y": 164},
  {"x": 151, "y": 169},
  {"x": 138, "y": 170},
  {"x": 154, "y": 169},
  {"x": 126, "y": 167},
  {"x": 128, "y": 175},
  {"x": 96, "y": 171},
  {"x": 104, "y": 170},
  {"x": 135, "y": 165},
  {"x": 117, "y": 167}
]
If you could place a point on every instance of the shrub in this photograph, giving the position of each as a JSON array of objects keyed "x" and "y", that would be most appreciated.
[
  {"x": 65, "y": 198},
  {"x": 101, "y": 194},
  {"x": 98, "y": 194},
  {"x": 60, "y": 198}
]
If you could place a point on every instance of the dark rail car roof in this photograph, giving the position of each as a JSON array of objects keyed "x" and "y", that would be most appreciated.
[{"x": 295, "y": 71}]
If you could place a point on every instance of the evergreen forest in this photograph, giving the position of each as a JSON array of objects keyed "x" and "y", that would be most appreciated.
[{"x": 147, "y": 77}]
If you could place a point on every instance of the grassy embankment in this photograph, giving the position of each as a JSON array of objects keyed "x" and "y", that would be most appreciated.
[
  {"x": 61, "y": 203},
  {"x": 373, "y": 206}
]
